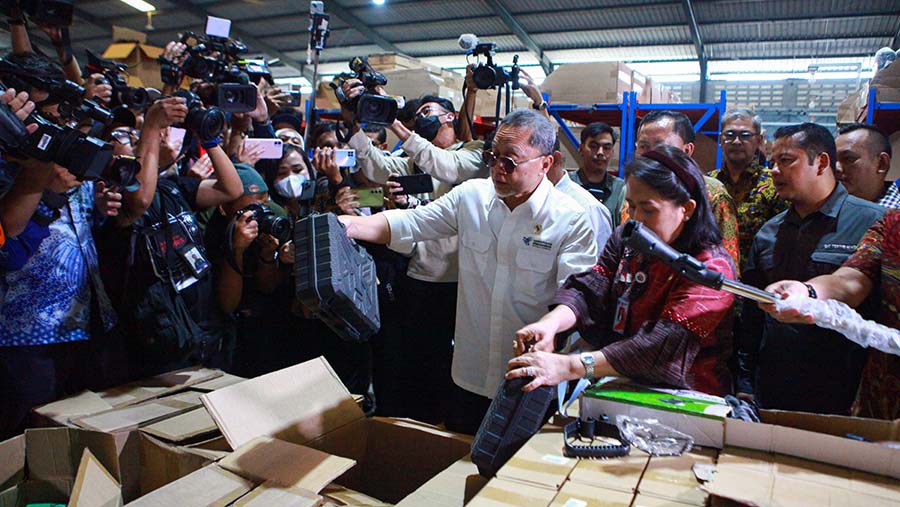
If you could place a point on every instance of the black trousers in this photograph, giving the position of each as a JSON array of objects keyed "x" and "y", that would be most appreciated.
[
  {"x": 426, "y": 349},
  {"x": 467, "y": 409},
  {"x": 35, "y": 375}
]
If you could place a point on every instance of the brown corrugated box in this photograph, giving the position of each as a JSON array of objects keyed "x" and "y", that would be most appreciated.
[
  {"x": 58, "y": 465},
  {"x": 589, "y": 83},
  {"x": 507, "y": 493},
  {"x": 130, "y": 47},
  {"x": 308, "y": 405},
  {"x": 453, "y": 487},
  {"x": 574, "y": 494}
]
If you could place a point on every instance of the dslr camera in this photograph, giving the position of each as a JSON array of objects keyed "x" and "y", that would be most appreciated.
[
  {"x": 122, "y": 94},
  {"x": 370, "y": 107},
  {"x": 217, "y": 60},
  {"x": 487, "y": 74},
  {"x": 206, "y": 123},
  {"x": 87, "y": 158},
  {"x": 270, "y": 223}
]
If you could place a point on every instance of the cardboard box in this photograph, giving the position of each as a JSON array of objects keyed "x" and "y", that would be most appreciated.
[
  {"x": 453, "y": 487},
  {"x": 589, "y": 83},
  {"x": 130, "y": 47},
  {"x": 541, "y": 460},
  {"x": 61, "y": 412},
  {"x": 415, "y": 83},
  {"x": 163, "y": 462},
  {"x": 94, "y": 485},
  {"x": 45, "y": 465},
  {"x": 621, "y": 474},
  {"x": 673, "y": 478},
  {"x": 768, "y": 479},
  {"x": 132, "y": 417},
  {"x": 211, "y": 485},
  {"x": 649, "y": 501},
  {"x": 339, "y": 495},
  {"x": 307, "y": 405},
  {"x": 158, "y": 386},
  {"x": 503, "y": 492},
  {"x": 696, "y": 414},
  {"x": 268, "y": 495},
  {"x": 575, "y": 494}
]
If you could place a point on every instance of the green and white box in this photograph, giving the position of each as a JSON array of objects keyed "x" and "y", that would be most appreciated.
[{"x": 696, "y": 414}]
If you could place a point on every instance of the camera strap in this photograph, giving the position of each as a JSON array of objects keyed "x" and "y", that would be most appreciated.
[{"x": 229, "y": 250}]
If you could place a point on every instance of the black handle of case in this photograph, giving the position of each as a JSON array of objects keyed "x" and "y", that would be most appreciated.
[{"x": 588, "y": 429}]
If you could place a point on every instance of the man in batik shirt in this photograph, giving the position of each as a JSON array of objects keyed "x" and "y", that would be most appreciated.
[{"x": 749, "y": 184}]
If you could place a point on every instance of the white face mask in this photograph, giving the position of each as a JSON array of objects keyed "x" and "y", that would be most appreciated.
[{"x": 292, "y": 186}]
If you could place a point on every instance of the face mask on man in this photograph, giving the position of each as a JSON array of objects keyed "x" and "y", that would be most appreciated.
[
  {"x": 428, "y": 127},
  {"x": 292, "y": 186}
]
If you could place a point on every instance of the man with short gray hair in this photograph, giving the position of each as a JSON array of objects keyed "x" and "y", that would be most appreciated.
[
  {"x": 749, "y": 184},
  {"x": 519, "y": 239}
]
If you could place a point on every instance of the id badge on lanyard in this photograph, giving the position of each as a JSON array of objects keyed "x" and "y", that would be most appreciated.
[{"x": 623, "y": 305}]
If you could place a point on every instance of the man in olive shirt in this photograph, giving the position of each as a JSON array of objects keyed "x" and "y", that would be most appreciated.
[
  {"x": 798, "y": 366},
  {"x": 598, "y": 140}
]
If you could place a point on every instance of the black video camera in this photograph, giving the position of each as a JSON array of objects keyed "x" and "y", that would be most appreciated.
[
  {"x": 85, "y": 157},
  {"x": 206, "y": 123},
  {"x": 370, "y": 107},
  {"x": 122, "y": 94},
  {"x": 56, "y": 13},
  {"x": 216, "y": 60},
  {"x": 488, "y": 75},
  {"x": 270, "y": 223}
]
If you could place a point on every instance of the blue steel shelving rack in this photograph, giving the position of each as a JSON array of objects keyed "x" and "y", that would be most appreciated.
[
  {"x": 707, "y": 118},
  {"x": 884, "y": 115},
  {"x": 615, "y": 115}
]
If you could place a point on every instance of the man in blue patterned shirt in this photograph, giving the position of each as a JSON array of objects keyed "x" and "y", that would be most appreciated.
[{"x": 55, "y": 302}]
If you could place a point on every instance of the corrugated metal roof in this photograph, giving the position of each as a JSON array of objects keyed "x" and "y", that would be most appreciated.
[
  {"x": 680, "y": 52},
  {"x": 483, "y": 26},
  {"x": 450, "y": 46},
  {"x": 810, "y": 29},
  {"x": 650, "y": 15},
  {"x": 717, "y": 11},
  {"x": 428, "y": 10},
  {"x": 787, "y": 49},
  {"x": 523, "y": 6},
  {"x": 237, "y": 11},
  {"x": 622, "y": 37}
]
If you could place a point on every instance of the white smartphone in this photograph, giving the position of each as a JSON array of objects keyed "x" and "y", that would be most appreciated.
[
  {"x": 345, "y": 158},
  {"x": 272, "y": 148}
]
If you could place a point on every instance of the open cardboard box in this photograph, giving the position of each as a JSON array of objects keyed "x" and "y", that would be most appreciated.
[
  {"x": 59, "y": 465},
  {"x": 307, "y": 405}
]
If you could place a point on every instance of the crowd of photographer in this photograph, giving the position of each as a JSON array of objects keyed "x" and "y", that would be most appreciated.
[{"x": 145, "y": 231}]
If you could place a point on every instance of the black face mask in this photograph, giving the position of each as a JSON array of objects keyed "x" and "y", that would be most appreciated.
[{"x": 428, "y": 127}]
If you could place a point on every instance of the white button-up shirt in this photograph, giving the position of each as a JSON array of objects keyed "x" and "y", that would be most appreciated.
[
  {"x": 598, "y": 214},
  {"x": 510, "y": 265}
]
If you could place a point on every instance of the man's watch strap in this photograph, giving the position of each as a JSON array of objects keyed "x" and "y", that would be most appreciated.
[
  {"x": 540, "y": 107},
  {"x": 587, "y": 360}
]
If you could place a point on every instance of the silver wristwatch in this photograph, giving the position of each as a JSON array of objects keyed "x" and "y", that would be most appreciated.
[{"x": 587, "y": 359}]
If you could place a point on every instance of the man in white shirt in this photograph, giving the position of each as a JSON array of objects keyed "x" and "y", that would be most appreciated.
[
  {"x": 598, "y": 213},
  {"x": 519, "y": 239}
]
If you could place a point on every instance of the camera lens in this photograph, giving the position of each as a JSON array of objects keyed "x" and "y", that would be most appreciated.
[
  {"x": 136, "y": 98},
  {"x": 485, "y": 77},
  {"x": 207, "y": 124},
  {"x": 279, "y": 227},
  {"x": 376, "y": 109}
]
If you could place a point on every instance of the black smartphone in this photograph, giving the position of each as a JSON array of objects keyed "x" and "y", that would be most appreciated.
[{"x": 415, "y": 183}]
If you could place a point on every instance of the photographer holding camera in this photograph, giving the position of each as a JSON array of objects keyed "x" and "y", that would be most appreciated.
[
  {"x": 165, "y": 294},
  {"x": 243, "y": 247},
  {"x": 55, "y": 307}
]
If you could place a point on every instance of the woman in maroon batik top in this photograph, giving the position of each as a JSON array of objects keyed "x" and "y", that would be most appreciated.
[{"x": 645, "y": 321}]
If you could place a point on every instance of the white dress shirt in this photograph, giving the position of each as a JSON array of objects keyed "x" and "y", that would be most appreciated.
[
  {"x": 510, "y": 265},
  {"x": 431, "y": 261},
  {"x": 598, "y": 214}
]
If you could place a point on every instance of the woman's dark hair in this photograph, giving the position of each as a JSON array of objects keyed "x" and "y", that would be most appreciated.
[{"x": 676, "y": 177}]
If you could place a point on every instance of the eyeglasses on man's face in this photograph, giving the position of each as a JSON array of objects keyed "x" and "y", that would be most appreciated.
[
  {"x": 506, "y": 164},
  {"x": 730, "y": 136}
]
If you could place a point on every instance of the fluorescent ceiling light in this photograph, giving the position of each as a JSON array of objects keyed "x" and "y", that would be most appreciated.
[{"x": 140, "y": 5}]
